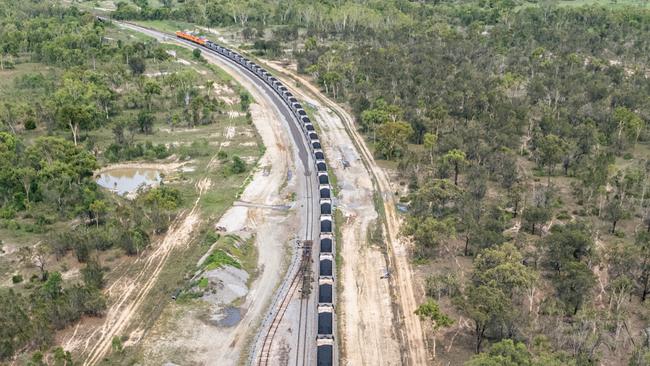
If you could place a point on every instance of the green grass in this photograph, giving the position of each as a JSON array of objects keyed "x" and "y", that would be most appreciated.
[
  {"x": 169, "y": 26},
  {"x": 219, "y": 258},
  {"x": 246, "y": 252},
  {"x": 217, "y": 200},
  {"x": 203, "y": 283},
  {"x": 231, "y": 250}
]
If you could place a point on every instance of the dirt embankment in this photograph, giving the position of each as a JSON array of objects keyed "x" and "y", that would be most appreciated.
[
  {"x": 368, "y": 325},
  {"x": 183, "y": 335},
  {"x": 188, "y": 338}
]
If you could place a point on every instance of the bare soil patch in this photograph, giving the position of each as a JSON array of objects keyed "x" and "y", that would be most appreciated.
[
  {"x": 187, "y": 330},
  {"x": 409, "y": 342}
]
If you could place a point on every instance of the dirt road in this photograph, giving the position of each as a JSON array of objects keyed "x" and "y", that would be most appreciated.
[
  {"x": 366, "y": 317},
  {"x": 188, "y": 334},
  {"x": 128, "y": 292},
  {"x": 367, "y": 338},
  {"x": 183, "y": 336}
]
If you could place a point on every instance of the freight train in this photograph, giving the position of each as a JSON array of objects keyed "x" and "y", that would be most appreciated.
[{"x": 325, "y": 344}]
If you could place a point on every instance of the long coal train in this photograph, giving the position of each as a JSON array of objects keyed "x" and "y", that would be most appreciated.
[{"x": 326, "y": 293}]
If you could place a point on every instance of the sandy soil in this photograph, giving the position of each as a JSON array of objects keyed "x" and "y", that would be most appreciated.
[
  {"x": 366, "y": 316},
  {"x": 227, "y": 284},
  {"x": 189, "y": 334},
  {"x": 207, "y": 344},
  {"x": 128, "y": 292}
]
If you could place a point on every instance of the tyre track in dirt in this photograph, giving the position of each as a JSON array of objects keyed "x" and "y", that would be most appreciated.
[
  {"x": 129, "y": 291},
  {"x": 408, "y": 325},
  {"x": 133, "y": 289},
  {"x": 219, "y": 345}
]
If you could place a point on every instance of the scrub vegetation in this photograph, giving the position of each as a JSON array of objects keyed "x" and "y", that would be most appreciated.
[
  {"x": 519, "y": 134},
  {"x": 518, "y": 131},
  {"x": 78, "y": 94},
  {"x": 220, "y": 258},
  {"x": 231, "y": 250}
]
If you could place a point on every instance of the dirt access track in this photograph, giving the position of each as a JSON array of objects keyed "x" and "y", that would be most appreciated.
[
  {"x": 375, "y": 328},
  {"x": 186, "y": 333},
  {"x": 197, "y": 342},
  {"x": 128, "y": 292}
]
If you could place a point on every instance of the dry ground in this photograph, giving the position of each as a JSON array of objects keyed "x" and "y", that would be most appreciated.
[
  {"x": 378, "y": 326},
  {"x": 129, "y": 291},
  {"x": 183, "y": 335},
  {"x": 132, "y": 285}
]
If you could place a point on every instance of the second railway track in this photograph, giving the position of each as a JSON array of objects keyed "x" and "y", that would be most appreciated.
[
  {"x": 300, "y": 284},
  {"x": 312, "y": 156}
]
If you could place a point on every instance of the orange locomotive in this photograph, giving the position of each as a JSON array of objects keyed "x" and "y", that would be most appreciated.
[{"x": 190, "y": 37}]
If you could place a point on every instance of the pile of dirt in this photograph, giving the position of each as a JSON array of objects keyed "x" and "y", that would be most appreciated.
[
  {"x": 217, "y": 332},
  {"x": 225, "y": 285}
]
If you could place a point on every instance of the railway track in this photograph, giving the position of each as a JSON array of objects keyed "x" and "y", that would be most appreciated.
[
  {"x": 300, "y": 283},
  {"x": 306, "y": 287},
  {"x": 265, "y": 352},
  {"x": 299, "y": 271},
  {"x": 264, "y": 358}
]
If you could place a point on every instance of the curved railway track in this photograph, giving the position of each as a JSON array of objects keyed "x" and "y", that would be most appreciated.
[
  {"x": 297, "y": 282},
  {"x": 267, "y": 344},
  {"x": 309, "y": 151}
]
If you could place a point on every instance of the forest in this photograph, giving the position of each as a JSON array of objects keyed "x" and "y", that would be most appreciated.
[
  {"x": 522, "y": 142},
  {"x": 518, "y": 129},
  {"x": 76, "y": 97},
  {"x": 520, "y": 134}
]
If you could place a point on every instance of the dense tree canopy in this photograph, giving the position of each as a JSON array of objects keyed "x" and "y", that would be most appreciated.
[{"x": 520, "y": 132}]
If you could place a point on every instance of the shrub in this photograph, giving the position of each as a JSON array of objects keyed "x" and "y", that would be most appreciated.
[
  {"x": 196, "y": 53},
  {"x": 7, "y": 213},
  {"x": 244, "y": 100},
  {"x": 220, "y": 258},
  {"x": 210, "y": 237},
  {"x": 563, "y": 216},
  {"x": 82, "y": 252},
  {"x": 16, "y": 278},
  {"x": 43, "y": 219},
  {"x": 237, "y": 165},
  {"x": 12, "y": 225},
  {"x": 117, "y": 152},
  {"x": 30, "y": 124}
]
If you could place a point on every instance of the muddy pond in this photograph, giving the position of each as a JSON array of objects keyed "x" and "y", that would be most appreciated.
[{"x": 127, "y": 180}]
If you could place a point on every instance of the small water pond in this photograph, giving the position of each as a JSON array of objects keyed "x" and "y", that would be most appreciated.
[
  {"x": 231, "y": 316},
  {"x": 127, "y": 180}
]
